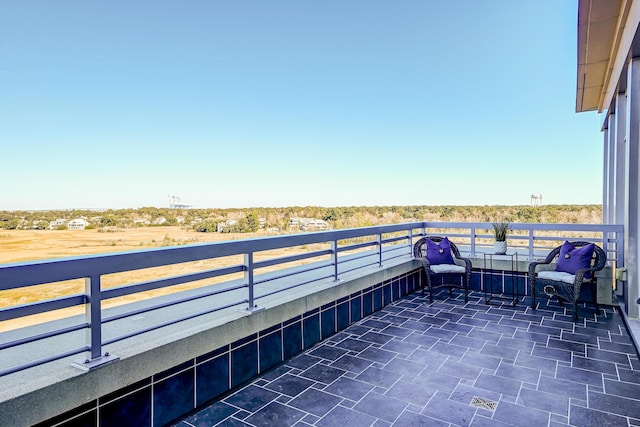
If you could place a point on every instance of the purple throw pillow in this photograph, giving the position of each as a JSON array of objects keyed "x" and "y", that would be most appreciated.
[
  {"x": 572, "y": 258},
  {"x": 439, "y": 253}
]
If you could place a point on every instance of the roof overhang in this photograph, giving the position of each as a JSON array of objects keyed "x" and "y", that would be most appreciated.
[
  {"x": 599, "y": 31},
  {"x": 608, "y": 37}
]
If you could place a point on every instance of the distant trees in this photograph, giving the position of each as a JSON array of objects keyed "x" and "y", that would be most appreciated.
[
  {"x": 249, "y": 224},
  {"x": 248, "y": 220},
  {"x": 41, "y": 225},
  {"x": 9, "y": 224},
  {"x": 208, "y": 226},
  {"x": 108, "y": 221}
]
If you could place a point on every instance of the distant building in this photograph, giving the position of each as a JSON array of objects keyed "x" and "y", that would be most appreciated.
[
  {"x": 536, "y": 200},
  {"x": 315, "y": 225},
  {"x": 77, "y": 224},
  {"x": 294, "y": 223},
  {"x": 57, "y": 223},
  {"x": 176, "y": 202},
  {"x": 308, "y": 224},
  {"x": 159, "y": 221}
]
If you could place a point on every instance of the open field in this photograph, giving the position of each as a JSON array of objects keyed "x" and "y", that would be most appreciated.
[
  {"x": 28, "y": 245},
  {"x": 31, "y": 245}
]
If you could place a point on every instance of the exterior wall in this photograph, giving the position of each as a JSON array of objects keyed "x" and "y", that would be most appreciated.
[{"x": 609, "y": 80}]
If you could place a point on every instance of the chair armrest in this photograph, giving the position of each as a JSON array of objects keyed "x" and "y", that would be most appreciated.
[
  {"x": 425, "y": 262},
  {"x": 467, "y": 262},
  {"x": 580, "y": 273},
  {"x": 532, "y": 268},
  {"x": 579, "y": 276},
  {"x": 534, "y": 264}
]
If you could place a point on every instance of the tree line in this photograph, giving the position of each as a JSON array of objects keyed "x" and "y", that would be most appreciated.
[{"x": 243, "y": 220}]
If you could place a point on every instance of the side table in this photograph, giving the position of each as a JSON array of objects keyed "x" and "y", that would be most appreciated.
[{"x": 493, "y": 280}]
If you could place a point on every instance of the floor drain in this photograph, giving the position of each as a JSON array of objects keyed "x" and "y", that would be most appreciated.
[{"x": 484, "y": 403}]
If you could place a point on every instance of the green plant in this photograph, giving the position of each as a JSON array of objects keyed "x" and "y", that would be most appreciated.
[{"x": 500, "y": 230}]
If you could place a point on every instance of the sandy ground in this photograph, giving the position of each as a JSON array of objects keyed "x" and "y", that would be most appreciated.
[{"x": 30, "y": 245}]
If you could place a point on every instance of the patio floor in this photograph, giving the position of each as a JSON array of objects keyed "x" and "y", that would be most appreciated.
[{"x": 450, "y": 364}]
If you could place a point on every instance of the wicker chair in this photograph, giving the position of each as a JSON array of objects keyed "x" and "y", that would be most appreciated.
[
  {"x": 563, "y": 285},
  {"x": 443, "y": 275}
]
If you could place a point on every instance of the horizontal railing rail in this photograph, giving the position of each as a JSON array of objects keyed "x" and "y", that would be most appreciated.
[{"x": 243, "y": 279}]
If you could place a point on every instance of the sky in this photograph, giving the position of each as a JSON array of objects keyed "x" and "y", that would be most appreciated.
[{"x": 253, "y": 103}]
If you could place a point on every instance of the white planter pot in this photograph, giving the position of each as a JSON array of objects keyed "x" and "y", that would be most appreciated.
[{"x": 500, "y": 247}]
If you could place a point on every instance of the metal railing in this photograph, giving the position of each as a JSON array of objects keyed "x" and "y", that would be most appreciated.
[{"x": 340, "y": 252}]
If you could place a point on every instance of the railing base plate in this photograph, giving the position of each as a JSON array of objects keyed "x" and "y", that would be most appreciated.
[
  {"x": 253, "y": 309},
  {"x": 87, "y": 365}
]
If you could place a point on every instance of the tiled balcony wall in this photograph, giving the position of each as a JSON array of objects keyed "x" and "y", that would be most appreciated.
[{"x": 168, "y": 395}]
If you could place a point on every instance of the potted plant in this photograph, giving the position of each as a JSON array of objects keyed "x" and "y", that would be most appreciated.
[{"x": 500, "y": 230}]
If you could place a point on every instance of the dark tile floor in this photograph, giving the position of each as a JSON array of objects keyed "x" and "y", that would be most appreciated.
[{"x": 450, "y": 364}]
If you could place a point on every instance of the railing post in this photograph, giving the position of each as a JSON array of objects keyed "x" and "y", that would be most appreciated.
[
  {"x": 93, "y": 316},
  {"x": 248, "y": 275},
  {"x": 531, "y": 243},
  {"x": 379, "y": 237},
  {"x": 473, "y": 241},
  {"x": 334, "y": 260},
  {"x": 410, "y": 242}
]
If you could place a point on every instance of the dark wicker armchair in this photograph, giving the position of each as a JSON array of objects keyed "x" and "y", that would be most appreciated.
[
  {"x": 562, "y": 283},
  {"x": 456, "y": 274}
]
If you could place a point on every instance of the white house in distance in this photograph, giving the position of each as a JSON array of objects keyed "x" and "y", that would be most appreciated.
[
  {"x": 77, "y": 224},
  {"x": 308, "y": 224},
  {"x": 159, "y": 221},
  {"x": 57, "y": 223},
  {"x": 74, "y": 224}
]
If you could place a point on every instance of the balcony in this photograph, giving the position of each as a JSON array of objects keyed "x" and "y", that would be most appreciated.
[{"x": 265, "y": 309}]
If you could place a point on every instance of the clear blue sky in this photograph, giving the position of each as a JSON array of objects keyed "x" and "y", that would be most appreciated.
[{"x": 237, "y": 103}]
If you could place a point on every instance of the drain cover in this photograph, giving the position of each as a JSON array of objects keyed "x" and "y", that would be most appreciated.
[{"x": 479, "y": 402}]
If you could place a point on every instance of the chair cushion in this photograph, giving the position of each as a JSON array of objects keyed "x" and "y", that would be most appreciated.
[
  {"x": 447, "y": 268},
  {"x": 439, "y": 253},
  {"x": 572, "y": 259},
  {"x": 557, "y": 276}
]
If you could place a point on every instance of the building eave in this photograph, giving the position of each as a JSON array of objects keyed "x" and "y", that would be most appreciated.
[{"x": 601, "y": 25}]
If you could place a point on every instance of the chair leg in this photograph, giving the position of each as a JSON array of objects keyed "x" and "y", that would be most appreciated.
[
  {"x": 594, "y": 293},
  {"x": 575, "y": 311},
  {"x": 466, "y": 289},
  {"x": 533, "y": 297}
]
